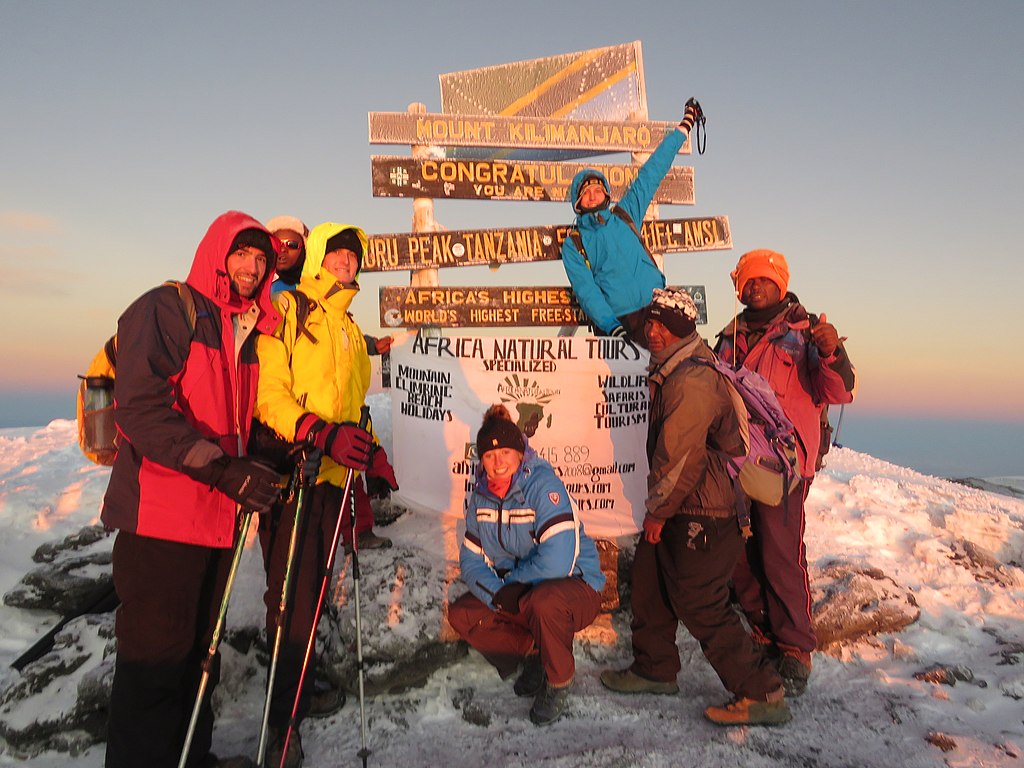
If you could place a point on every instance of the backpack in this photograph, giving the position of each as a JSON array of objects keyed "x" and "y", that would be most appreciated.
[
  {"x": 767, "y": 472},
  {"x": 94, "y": 410}
]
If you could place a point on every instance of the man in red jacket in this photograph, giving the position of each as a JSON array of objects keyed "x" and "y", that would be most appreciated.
[
  {"x": 183, "y": 400},
  {"x": 803, "y": 358}
]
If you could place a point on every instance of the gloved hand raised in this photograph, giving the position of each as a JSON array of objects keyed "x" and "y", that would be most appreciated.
[
  {"x": 253, "y": 485},
  {"x": 691, "y": 115},
  {"x": 507, "y": 598},
  {"x": 380, "y": 477},
  {"x": 347, "y": 443}
]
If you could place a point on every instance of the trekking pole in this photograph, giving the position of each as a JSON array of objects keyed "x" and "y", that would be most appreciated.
[
  {"x": 839, "y": 424},
  {"x": 364, "y": 417},
  {"x": 363, "y": 752},
  {"x": 215, "y": 640},
  {"x": 297, "y": 487}
]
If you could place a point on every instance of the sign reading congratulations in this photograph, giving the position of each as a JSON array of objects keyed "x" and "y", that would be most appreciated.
[{"x": 581, "y": 402}]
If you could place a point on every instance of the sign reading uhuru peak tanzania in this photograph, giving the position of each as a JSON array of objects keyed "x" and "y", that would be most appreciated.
[
  {"x": 487, "y": 179},
  {"x": 518, "y": 245},
  {"x": 491, "y": 306}
]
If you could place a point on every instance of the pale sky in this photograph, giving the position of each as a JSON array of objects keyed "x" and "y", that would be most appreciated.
[{"x": 875, "y": 144}]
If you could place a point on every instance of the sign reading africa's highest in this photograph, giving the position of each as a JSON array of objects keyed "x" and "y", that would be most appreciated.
[
  {"x": 487, "y": 306},
  {"x": 510, "y": 179}
]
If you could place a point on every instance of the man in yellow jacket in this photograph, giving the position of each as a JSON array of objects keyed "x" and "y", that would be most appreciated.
[{"x": 314, "y": 375}]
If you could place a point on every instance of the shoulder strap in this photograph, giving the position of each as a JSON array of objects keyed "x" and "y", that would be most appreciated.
[
  {"x": 188, "y": 302},
  {"x": 110, "y": 350},
  {"x": 577, "y": 240},
  {"x": 303, "y": 305}
]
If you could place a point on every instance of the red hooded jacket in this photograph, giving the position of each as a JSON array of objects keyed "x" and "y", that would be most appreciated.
[{"x": 175, "y": 388}]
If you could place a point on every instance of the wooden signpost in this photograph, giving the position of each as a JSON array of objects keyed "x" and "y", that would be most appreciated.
[
  {"x": 515, "y": 132},
  {"x": 521, "y": 245},
  {"x": 487, "y": 179},
  {"x": 490, "y": 306}
]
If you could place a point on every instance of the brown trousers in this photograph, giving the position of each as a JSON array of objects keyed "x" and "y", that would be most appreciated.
[{"x": 549, "y": 615}]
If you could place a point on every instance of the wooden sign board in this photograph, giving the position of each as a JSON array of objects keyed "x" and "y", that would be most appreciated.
[
  {"x": 519, "y": 245},
  {"x": 491, "y": 306},
  {"x": 440, "y": 130},
  {"x": 487, "y": 179}
]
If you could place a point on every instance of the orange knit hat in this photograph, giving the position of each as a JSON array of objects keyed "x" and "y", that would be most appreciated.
[{"x": 761, "y": 263}]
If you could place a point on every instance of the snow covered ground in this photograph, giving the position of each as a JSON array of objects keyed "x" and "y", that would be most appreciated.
[{"x": 959, "y": 550}]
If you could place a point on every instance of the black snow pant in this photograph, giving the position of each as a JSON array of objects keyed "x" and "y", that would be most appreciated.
[
  {"x": 316, "y": 530},
  {"x": 685, "y": 577},
  {"x": 170, "y": 598}
]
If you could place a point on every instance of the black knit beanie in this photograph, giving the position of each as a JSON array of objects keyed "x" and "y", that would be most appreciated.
[
  {"x": 252, "y": 238},
  {"x": 498, "y": 432},
  {"x": 347, "y": 238}
]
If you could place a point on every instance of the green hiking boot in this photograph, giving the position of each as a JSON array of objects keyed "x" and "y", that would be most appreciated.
[
  {"x": 531, "y": 679},
  {"x": 628, "y": 681},
  {"x": 744, "y": 711},
  {"x": 548, "y": 705}
]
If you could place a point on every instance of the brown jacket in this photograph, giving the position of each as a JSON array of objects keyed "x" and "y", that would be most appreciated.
[{"x": 692, "y": 425}]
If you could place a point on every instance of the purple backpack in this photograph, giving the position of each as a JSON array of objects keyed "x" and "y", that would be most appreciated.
[{"x": 768, "y": 471}]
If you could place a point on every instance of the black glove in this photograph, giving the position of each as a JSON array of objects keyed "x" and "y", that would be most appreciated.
[
  {"x": 253, "y": 485},
  {"x": 377, "y": 487},
  {"x": 309, "y": 460},
  {"x": 507, "y": 598},
  {"x": 618, "y": 332}
]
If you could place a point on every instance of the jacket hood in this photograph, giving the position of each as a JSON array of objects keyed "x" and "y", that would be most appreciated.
[
  {"x": 209, "y": 273},
  {"x": 577, "y": 182},
  {"x": 316, "y": 247}
]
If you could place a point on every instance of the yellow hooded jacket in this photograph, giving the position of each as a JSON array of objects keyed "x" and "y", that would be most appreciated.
[{"x": 328, "y": 377}]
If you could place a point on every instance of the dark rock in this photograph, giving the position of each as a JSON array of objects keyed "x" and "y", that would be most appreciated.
[
  {"x": 853, "y": 601},
  {"x": 946, "y": 674}
]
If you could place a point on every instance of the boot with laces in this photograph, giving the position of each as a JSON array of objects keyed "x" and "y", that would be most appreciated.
[
  {"x": 744, "y": 711},
  {"x": 550, "y": 702},
  {"x": 628, "y": 681}
]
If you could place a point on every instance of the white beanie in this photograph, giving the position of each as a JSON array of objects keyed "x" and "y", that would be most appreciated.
[{"x": 278, "y": 223}]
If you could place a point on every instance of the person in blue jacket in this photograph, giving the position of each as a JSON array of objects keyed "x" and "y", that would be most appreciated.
[
  {"x": 533, "y": 574},
  {"x": 614, "y": 277}
]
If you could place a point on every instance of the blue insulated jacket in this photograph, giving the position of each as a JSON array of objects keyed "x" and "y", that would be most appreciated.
[
  {"x": 534, "y": 534},
  {"x": 621, "y": 276}
]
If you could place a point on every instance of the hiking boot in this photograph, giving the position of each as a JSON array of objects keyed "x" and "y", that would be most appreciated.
[
  {"x": 744, "y": 711},
  {"x": 531, "y": 679},
  {"x": 326, "y": 699},
  {"x": 369, "y": 540},
  {"x": 295, "y": 754},
  {"x": 628, "y": 681},
  {"x": 794, "y": 668},
  {"x": 549, "y": 703}
]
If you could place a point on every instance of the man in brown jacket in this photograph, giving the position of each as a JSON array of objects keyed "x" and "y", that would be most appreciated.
[{"x": 691, "y": 539}]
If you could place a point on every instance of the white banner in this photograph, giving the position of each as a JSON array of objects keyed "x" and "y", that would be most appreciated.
[{"x": 582, "y": 402}]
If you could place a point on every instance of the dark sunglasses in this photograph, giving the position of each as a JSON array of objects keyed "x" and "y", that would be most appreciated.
[{"x": 291, "y": 244}]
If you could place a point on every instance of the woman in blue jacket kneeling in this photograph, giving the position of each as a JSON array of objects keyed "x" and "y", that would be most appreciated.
[{"x": 533, "y": 574}]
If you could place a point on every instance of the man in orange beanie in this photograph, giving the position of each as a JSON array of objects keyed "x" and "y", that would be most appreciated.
[{"x": 803, "y": 358}]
